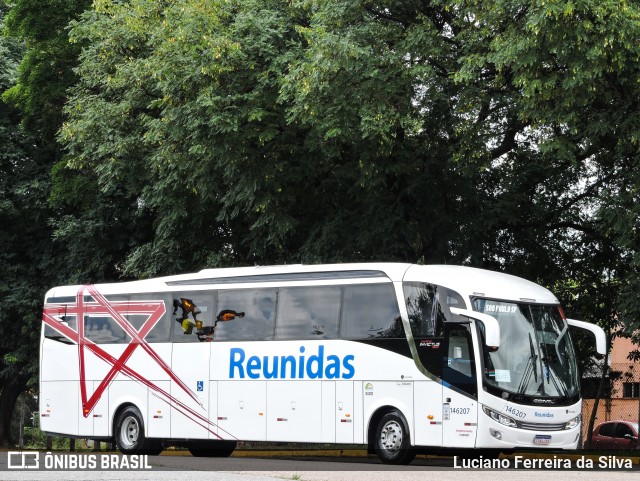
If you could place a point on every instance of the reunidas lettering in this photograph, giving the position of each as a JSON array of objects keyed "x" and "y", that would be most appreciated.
[{"x": 316, "y": 366}]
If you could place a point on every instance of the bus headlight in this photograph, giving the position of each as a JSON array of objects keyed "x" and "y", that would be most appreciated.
[
  {"x": 573, "y": 423},
  {"x": 501, "y": 418}
]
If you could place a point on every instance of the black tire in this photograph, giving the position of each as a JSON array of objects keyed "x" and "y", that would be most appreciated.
[
  {"x": 129, "y": 434},
  {"x": 213, "y": 449},
  {"x": 392, "y": 443}
]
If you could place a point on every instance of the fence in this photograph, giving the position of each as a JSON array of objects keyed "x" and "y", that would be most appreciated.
[{"x": 620, "y": 399}]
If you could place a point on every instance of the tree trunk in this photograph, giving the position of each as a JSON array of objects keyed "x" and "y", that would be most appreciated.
[
  {"x": 8, "y": 397},
  {"x": 603, "y": 377}
]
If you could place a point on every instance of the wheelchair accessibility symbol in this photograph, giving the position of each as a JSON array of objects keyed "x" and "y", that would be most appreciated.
[{"x": 200, "y": 385}]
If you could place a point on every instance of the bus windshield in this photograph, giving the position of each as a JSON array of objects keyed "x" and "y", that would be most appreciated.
[{"x": 536, "y": 356}]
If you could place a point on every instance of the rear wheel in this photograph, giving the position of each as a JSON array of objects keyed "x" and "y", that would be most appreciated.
[
  {"x": 130, "y": 436},
  {"x": 392, "y": 443},
  {"x": 213, "y": 449}
]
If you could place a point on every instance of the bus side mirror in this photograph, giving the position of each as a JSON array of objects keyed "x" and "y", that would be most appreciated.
[
  {"x": 601, "y": 337},
  {"x": 491, "y": 326}
]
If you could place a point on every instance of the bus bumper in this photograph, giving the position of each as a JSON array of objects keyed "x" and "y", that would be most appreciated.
[{"x": 492, "y": 434}]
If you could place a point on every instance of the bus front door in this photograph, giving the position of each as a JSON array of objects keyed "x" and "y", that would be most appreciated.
[{"x": 459, "y": 393}]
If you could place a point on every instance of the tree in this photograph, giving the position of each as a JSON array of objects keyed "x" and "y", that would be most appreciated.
[
  {"x": 22, "y": 194},
  {"x": 479, "y": 133},
  {"x": 200, "y": 133},
  {"x": 533, "y": 108},
  {"x": 34, "y": 71}
]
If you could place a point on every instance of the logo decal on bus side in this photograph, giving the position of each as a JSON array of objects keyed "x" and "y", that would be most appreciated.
[
  {"x": 316, "y": 366},
  {"x": 117, "y": 311}
]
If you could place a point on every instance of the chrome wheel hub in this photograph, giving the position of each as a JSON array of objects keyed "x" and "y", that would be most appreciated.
[
  {"x": 391, "y": 436},
  {"x": 129, "y": 432}
]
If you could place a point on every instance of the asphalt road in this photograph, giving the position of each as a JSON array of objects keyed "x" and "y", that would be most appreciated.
[{"x": 187, "y": 468}]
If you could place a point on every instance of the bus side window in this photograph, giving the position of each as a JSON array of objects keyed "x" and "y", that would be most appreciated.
[
  {"x": 104, "y": 329},
  {"x": 259, "y": 321},
  {"x": 308, "y": 313},
  {"x": 452, "y": 299},
  {"x": 426, "y": 315},
  {"x": 370, "y": 311},
  {"x": 183, "y": 322},
  {"x": 66, "y": 320},
  {"x": 160, "y": 331}
]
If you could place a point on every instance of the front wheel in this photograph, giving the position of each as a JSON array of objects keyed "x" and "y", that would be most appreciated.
[
  {"x": 129, "y": 434},
  {"x": 392, "y": 443},
  {"x": 213, "y": 449}
]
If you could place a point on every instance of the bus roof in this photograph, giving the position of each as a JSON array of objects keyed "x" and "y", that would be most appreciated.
[
  {"x": 467, "y": 281},
  {"x": 227, "y": 276},
  {"x": 473, "y": 282}
]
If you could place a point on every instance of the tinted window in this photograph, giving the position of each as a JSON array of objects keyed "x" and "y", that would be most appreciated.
[
  {"x": 308, "y": 313},
  {"x": 259, "y": 307},
  {"x": 160, "y": 331},
  {"x": 104, "y": 329},
  {"x": 459, "y": 367},
  {"x": 68, "y": 320},
  {"x": 453, "y": 299},
  {"x": 370, "y": 311},
  {"x": 426, "y": 315},
  {"x": 606, "y": 430},
  {"x": 191, "y": 313}
]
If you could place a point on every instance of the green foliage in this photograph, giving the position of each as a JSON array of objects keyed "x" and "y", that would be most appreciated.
[
  {"x": 33, "y": 71},
  {"x": 46, "y": 69},
  {"x": 496, "y": 134},
  {"x": 21, "y": 201},
  {"x": 36, "y": 439}
]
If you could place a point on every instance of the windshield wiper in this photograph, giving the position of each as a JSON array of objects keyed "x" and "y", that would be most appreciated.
[
  {"x": 534, "y": 357},
  {"x": 557, "y": 382},
  {"x": 531, "y": 367}
]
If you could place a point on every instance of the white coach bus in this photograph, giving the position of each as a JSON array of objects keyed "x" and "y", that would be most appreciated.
[{"x": 399, "y": 357}]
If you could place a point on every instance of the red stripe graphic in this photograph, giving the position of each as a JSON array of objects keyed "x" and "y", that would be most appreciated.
[{"x": 116, "y": 310}]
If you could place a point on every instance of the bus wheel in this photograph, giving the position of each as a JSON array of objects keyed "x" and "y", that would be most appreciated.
[
  {"x": 214, "y": 449},
  {"x": 129, "y": 433},
  {"x": 392, "y": 442}
]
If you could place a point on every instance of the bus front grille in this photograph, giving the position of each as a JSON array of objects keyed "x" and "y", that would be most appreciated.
[{"x": 541, "y": 426}]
